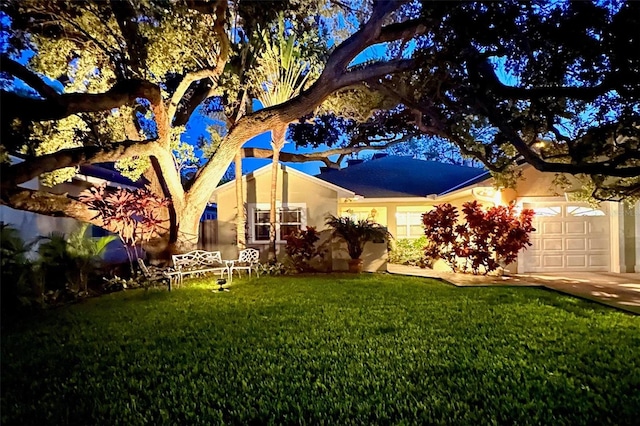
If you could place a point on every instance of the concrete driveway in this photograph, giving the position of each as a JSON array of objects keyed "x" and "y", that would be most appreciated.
[{"x": 620, "y": 291}]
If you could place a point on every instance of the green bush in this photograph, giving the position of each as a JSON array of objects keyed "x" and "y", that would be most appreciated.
[
  {"x": 65, "y": 262},
  {"x": 16, "y": 276},
  {"x": 408, "y": 252}
]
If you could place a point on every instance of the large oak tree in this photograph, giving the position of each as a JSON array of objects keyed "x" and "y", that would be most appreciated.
[
  {"x": 133, "y": 74},
  {"x": 554, "y": 85}
]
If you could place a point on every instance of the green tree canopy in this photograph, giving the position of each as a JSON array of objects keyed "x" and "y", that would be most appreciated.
[{"x": 551, "y": 84}]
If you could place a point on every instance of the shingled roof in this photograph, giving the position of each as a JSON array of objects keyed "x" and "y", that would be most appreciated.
[{"x": 393, "y": 177}]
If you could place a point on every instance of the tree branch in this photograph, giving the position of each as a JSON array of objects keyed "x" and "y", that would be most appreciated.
[
  {"x": 61, "y": 106},
  {"x": 23, "y": 73},
  {"x": 482, "y": 73},
  {"x": 58, "y": 205},
  {"x": 609, "y": 167},
  {"x": 332, "y": 78},
  {"x": 127, "y": 21},
  {"x": 366, "y": 36},
  {"x": 402, "y": 31},
  {"x": 33, "y": 167},
  {"x": 291, "y": 157}
]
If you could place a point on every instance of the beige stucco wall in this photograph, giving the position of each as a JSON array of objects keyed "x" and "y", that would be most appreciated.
[
  {"x": 386, "y": 210},
  {"x": 292, "y": 188},
  {"x": 538, "y": 184}
]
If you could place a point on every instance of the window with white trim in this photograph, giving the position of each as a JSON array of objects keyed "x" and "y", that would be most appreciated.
[
  {"x": 409, "y": 225},
  {"x": 373, "y": 214},
  {"x": 289, "y": 218},
  {"x": 584, "y": 211},
  {"x": 550, "y": 211}
]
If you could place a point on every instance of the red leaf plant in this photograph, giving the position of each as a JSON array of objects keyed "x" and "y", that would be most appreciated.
[
  {"x": 133, "y": 214},
  {"x": 301, "y": 248},
  {"x": 482, "y": 242}
]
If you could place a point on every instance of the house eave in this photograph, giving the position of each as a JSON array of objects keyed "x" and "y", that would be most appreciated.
[{"x": 341, "y": 192}]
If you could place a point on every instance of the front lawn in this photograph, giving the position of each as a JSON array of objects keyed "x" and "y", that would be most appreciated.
[{"x": 370, "y": 349}]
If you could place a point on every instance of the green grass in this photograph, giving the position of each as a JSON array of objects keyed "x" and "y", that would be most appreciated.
[{"x": 367, "y": 349}]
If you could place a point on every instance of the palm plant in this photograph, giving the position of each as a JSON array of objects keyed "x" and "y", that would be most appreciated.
[
  {"x": 70, "y": 259},
  {"x": 15, "y": 269},
  {"x": 356, "y": 234},
  {"x": 280, "y": 75}
]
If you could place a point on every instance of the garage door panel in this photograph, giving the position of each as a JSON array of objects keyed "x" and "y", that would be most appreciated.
[
  {"x": 552, "y": 261},
  {"x": 598, "y": 244},
  {"x": 569, "y": 240},
  {"x": 552, "y": 244},
  {"x": 533, "y": 261},
  {"x": 576, "y": 228},
  {"x": 599, "y": 261},
  {"x": 598, "y": 226},
  {"x": 551, "y": 228},
  {"x": 576, "y": 244},
  {"x": 576, "y": 261}
]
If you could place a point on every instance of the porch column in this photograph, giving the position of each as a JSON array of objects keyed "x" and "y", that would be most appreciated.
[{"x": 616, "y": 212}]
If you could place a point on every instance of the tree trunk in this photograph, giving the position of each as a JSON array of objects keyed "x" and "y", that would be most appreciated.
[
  {"x": 277, "y": 143},
  {"x": 182, "y": 237},
  {"x": 272, "y": 205},
  {"x": 241, "y": 217}
]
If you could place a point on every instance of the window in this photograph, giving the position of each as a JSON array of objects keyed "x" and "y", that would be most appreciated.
[
  {"x": 547, "y": 211},
  {"x": 374, "y": 214},
  {"x": 409, "y": 225},
  {"x": 584, "y": 211},
  {"x": 288, "y": 219}
]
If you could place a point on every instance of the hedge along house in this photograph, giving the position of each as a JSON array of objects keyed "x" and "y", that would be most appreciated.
[{"x": 570, "y": 235}]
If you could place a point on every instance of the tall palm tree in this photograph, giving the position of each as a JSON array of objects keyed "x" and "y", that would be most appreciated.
[
  {"x": 281, "y": 74},
  {"x": 241, "y": 242}
]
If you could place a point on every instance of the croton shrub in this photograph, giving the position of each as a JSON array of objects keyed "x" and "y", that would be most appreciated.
[
  {"x": 301, "y": 248},
  {"x": 479, "y": 243}
]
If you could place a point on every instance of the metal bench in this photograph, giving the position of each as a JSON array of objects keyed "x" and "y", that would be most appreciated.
[
  {"x": 154, "y": 273},
  {"x": 199, "y": 262}
]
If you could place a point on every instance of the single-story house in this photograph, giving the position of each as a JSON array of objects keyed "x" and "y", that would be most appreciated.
[{"x": 395, "y": 191}]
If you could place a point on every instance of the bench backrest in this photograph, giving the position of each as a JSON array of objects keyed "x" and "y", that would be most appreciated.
[
  {"x": 197, "y": 258},
  {"x": 249, "y": 256}
]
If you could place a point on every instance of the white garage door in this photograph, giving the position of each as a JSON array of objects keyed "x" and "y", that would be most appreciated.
[{"x": 568, "y": 237}]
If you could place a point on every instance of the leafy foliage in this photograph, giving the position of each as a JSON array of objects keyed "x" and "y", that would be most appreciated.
[
  {"x": 16, "y": 271},
  {"x": 368, "y": 349},
  {"x": 301, "y": 248},
  {"x": 134, "y": 214},
  {"x": 484, "y": 240},
  {"x": 408, "y": 251},
  {"x": 356, "y": 233},
  {"x": 273, "y": 269},
  {"x": 65, "y": 261}
]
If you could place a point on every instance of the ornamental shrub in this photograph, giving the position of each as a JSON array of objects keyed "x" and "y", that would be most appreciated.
[
  {"x": 16, "y": 272},
  {"x": 408, "y": 251},
  {"x": 301, "y": 248},
  {"x": 480, "y": 243}
]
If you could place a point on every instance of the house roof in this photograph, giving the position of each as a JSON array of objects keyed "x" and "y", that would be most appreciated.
[
  {"x": 394, "y": 177},
  {"x": 342, "y": 192},
  {"x": 108, "y": 172}
]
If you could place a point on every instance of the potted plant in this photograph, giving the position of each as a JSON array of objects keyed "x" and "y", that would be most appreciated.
[{"x": 356, "y": 234}]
